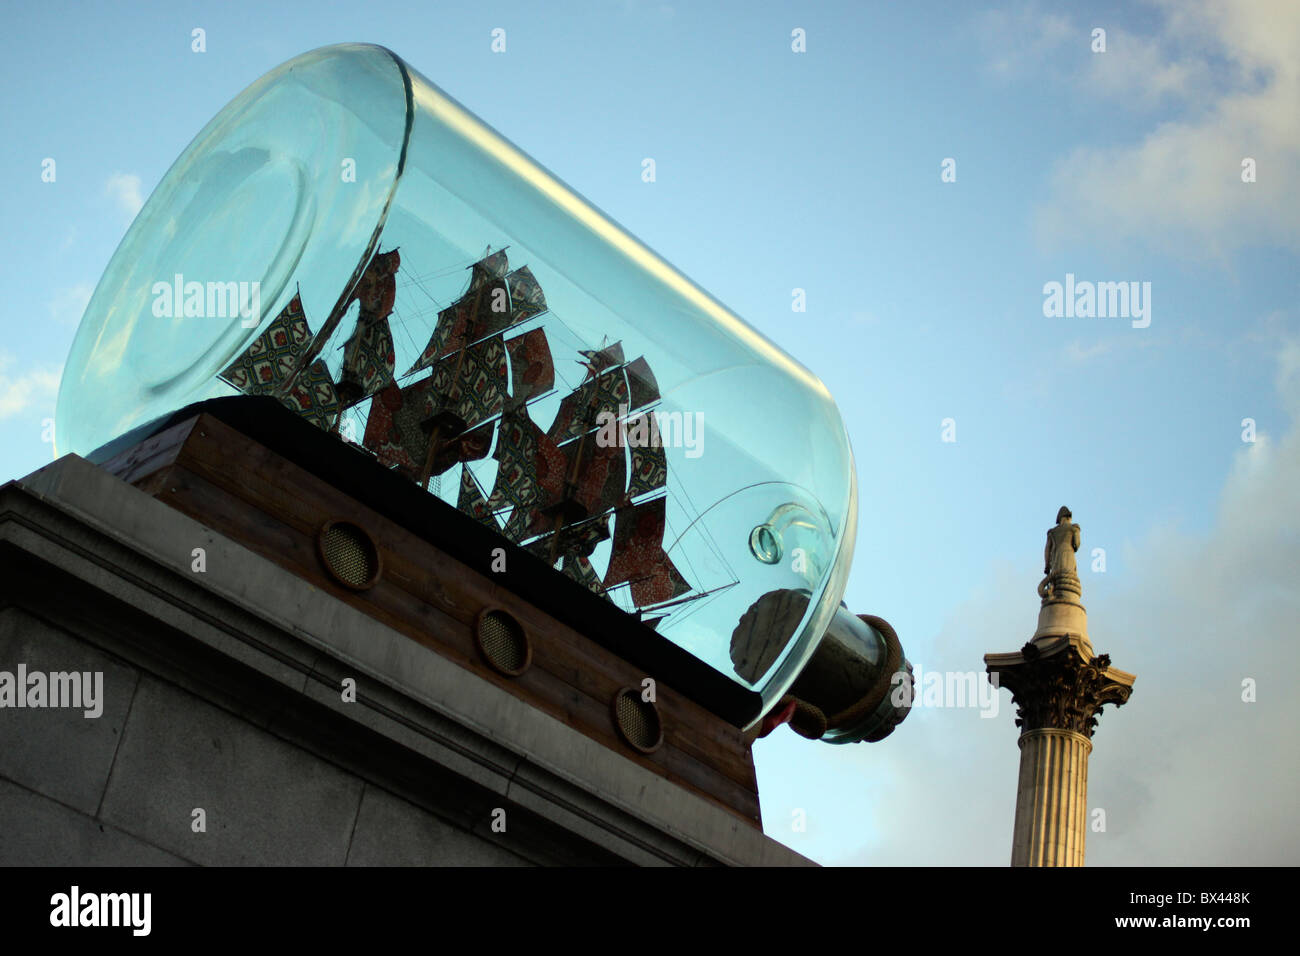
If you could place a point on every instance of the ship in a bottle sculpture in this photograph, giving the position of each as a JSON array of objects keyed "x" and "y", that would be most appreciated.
[{"x": 347, "y": 240}]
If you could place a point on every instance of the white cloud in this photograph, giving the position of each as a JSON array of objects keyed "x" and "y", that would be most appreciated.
[
  {"x": 1140, "y": 71},
  {"x": 1233, "y": 74},
  {"x": 1197, "y": 775},
  {"x": 18, "y": 392},
  {"x": 125, "y": 190}
]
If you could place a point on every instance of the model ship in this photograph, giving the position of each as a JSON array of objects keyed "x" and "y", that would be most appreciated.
[{"x": 556, "y": 492}]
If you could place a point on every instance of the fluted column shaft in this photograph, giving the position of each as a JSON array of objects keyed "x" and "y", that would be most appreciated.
[{"x": 1051, "y": 798}]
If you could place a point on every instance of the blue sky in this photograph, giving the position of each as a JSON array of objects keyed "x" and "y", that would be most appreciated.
[{"x": 821, "y": 170}]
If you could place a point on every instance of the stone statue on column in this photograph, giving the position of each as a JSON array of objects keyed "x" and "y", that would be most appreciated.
[
  {"x": 1061, "y": 613},
  {"x": 1061, "y": 572},
  {"x": 1059, "y": 687}
]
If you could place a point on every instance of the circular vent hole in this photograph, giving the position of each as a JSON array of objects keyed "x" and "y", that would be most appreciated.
[
  {"x": 503, "y": 643},
  {"x": 637, "y": 720},
  {"x": 350, "y": 555}
]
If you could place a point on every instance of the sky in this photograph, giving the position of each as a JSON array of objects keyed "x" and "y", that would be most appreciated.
[{"x": 922, "y": 171}]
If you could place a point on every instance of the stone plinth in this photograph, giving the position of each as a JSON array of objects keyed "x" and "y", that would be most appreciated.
[{"x": 221, "y": 692}]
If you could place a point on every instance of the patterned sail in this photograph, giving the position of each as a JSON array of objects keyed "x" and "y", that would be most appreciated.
[
  {"x": 600, "y": 359},
  {"x": 526, "y": 297},
  {"x": 470, "y": 318},
  {"x": 313, "y": 396},
  {"x": 639, "y": 558},
  {"x": 530, "y": 468},
  {"x": 376, "y": 291},
  {"x": 614, "y": 388},
  {"x": 272, "y": 356},
  {"x": 448, "y": 335},
  {"x": 472, "y": 383},
  {"x": 516, "y": 528},
  {"x": 488, "y": 269},
  {"x": 395, "y": 431},
  {"x": 369, "y": 358},
  {"x": 472, "y": 445},
  {"x": 472, "y": 502},
  {"x": 641, "y": 383},
  {"x": 579, "y": 569},
  {"x": 531, "y": 474},
  {"x": 572, "y": 540},
  {"x": 493, "y": 311},
  {"x": 271, "y": 359},
  {"x": 368, "y": 361},
  {"x": 482, "y": 311},
  {"x": 582, "y": 409},
  {"x": 532, "y": 370},
  {"x": 598, "y": 488},
  {"x": 649, "y": 470},
  {"x": 602, "y": 474}
]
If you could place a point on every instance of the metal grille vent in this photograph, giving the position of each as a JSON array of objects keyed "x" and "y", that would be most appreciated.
[
  {"x": 349, "y": 555},
  {"x": 503, "y": 643},
  {"x": 637, "y": 720}
]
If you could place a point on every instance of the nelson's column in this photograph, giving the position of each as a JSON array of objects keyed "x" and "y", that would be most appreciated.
[{"x": 1058, "y": 686}]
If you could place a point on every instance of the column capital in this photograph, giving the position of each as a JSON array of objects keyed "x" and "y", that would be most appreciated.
[{"x": 1062, "y": 688}]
